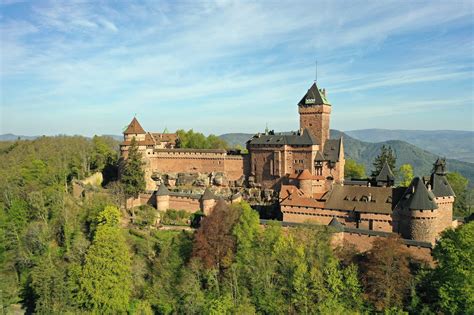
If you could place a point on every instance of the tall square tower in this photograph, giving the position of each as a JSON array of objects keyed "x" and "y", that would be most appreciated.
[{"x": 315, "y": 111}]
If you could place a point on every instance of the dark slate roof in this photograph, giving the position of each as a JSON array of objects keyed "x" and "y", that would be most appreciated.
[
  {"x": 319, "y": 156},
  {"x": 280, "y": 139},
  {"x": 356, "y": 182},
  {"x": 336, "y": 224},
  {"x": 363, "y": 198},
  {"x": 418, "y": 197},
  {"x": 440, "y": 186},
  {"x": 163, "y": 190},
  {"x": 332, "y": 149},
  {"x": 313, "y": 97},
  {"x": 134, "y": 127},
  {"x": 208, "y": 195},
  {"x": 386, "y": 174},
  {"x": 439, "y": 167}
]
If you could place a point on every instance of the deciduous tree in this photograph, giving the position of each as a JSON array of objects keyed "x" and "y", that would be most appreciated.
[
  {"x": 454, "y": 273},
  {"x": 352, "y": 169},
  {"x": 406, "y": 174},
  {"x": 387, "y": 273}
]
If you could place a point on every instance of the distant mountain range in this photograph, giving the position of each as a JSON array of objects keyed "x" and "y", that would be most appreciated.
[
  {"x": 452, "y": 144},
  {"x": 12, "y": 137},
  {"x": 365, "y": 153},
  {"x": 419, "y": 148}
]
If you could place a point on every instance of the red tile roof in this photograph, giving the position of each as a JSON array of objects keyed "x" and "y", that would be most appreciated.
[{"x": 134, "y": 127}]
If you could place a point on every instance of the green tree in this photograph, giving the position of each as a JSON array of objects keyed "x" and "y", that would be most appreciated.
[
  {"x": 406, "y": 174},
  {"x": 459, "y": 184},
  {"x": 386, "y": 155},
  {"x": 352, "y": 169},
  {"x": 133, "y": 175},
  {"x": 196, "y": 140},
  {"x": 49, "y": 285},
  {"x": 453, "y": 277},
  {"x": 105, "y": 285}
]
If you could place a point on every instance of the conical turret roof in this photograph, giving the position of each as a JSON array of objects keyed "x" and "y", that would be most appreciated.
[
  {"x": 336, "y": 224},
  {"x": 208, "y": 195},
  {"x": 163, "y": 190},
  {"x": 418, "y": 197}
]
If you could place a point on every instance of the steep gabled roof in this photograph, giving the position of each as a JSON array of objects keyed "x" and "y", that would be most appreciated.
[
  {"x": 279, "y": 139},
  {"x": 208, "y": 195},
  {"x": 332, "y": 149},
  {"x": 418, "y": 197},
  {"x": 313, "y": 97},
  {"x": 319, "y": 156},
  {"x": 386, "y": 174},
  {"x": 134, "y": 127},
  {"x": 363, "y": 198},
  {"x": 163, "y": 190}
]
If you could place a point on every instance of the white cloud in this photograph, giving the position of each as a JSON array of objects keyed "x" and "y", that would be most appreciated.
[{"x": 86, "y": 54}]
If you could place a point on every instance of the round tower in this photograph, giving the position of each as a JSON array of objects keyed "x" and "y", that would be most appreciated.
[
  {"x": 419, "y": 210},
  {"x": 208, "y": 201},
  {"x": 163, "y": 198},
  {"x": 305, "y": 180}
]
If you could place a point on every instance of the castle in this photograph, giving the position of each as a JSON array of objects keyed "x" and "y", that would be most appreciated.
[{"x": 305, "y": 169}]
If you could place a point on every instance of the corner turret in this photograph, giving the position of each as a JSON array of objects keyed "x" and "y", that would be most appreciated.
[
  {"x": 208, "y": 201},
  {"x": 162, "y": 198}
]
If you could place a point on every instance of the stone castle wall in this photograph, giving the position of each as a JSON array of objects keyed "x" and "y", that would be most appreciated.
[
  {"x": 188, "y": 204},
  {"x": 198, "y": 161},
  {"x": 445, "y": 212},
  {"x": 368, "y": 221}
]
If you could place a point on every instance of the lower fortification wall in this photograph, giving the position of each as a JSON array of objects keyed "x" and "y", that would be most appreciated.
[
  {"x": 184, "y": 203},
  {"x": 363, "y": 243}
]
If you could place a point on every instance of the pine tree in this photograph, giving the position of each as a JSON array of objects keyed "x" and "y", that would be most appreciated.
[
  {"x": 386, "y": 155},
  {"x": 133, "y": 176},
  {"x": 105, "y": 286}
]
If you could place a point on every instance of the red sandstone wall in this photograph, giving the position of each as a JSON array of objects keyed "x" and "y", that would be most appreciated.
[
  {"x": 380, "y": 222},
  {"x": 186, "y": 163},
  {"x": 445, "y": 213},
  {"x": 321, "y": 216},
  {"x": 184, "y": 203},
  {"x": 363, "y": 243},
  {"x": 236, "y": 166}
]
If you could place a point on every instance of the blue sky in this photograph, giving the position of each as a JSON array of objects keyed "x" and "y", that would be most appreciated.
[{"x": 87, "y": 67}]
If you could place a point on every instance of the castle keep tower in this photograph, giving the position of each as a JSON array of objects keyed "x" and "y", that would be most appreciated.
[{"x": 315, "y": 111}]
